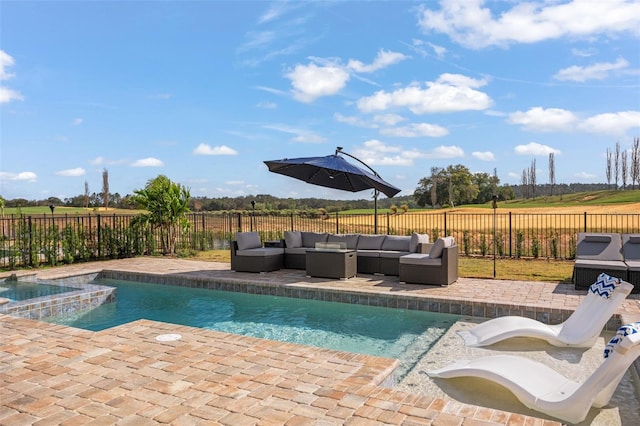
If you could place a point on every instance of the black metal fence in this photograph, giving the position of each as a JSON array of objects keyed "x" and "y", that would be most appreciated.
[{"x": 54, "y": 239}]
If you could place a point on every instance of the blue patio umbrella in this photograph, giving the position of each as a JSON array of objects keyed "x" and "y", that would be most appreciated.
[{"x": 334, "y": 171}]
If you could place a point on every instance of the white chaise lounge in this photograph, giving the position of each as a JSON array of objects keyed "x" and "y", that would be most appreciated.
[
  {"x": 547, "y": 391},
  {"x": 581, "y": 329}
]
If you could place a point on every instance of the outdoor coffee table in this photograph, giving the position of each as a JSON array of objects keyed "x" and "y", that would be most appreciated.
[{"x": 327, "y": 263}]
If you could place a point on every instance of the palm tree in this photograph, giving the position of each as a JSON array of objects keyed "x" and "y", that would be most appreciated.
[{"x": 167, "y": 204}]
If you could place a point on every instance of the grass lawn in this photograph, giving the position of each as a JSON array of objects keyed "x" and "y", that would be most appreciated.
[{"x": 474, "y": 267}]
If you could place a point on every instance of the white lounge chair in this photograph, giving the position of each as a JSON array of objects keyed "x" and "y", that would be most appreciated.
[
  {"x": 581, "y": 329},
  {"x": 545, "y": 390}
]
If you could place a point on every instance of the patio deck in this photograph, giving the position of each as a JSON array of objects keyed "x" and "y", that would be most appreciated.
[{"x": 54, "y": 374}]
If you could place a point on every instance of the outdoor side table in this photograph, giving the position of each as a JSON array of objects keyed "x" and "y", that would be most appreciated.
[{"x": 331, "y": 263}]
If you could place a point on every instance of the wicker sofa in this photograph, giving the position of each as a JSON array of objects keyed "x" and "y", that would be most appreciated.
[
  {"x": 376, "y": 254},
  {"x": 249, "y": 255},
  {"x": 438, "y": 267},
  {"x": 597, "y": 253}
]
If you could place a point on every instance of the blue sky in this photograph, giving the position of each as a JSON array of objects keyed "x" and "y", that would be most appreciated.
[{"x": 205, "y": 91}]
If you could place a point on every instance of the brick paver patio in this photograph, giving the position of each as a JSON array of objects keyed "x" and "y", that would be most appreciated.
[{"x": 53, "y": 374}]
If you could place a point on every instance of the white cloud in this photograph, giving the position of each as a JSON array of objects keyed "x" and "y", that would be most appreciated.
[
  {"x": 22, "y": 176},
  {"x": 471, "y": 24},
  {"x": 300, "y": 135},
  {"x": 388, "y": 119},
  {"x": 450, "y": 93},
  {"x": 78, "y": 171},
  {"x": 6, "y": 94},
  {"x": 612, "y": 123},
  {"x": 597, "y": 71},
  {"x": 205, "y": 149},
  {"x": 97, "y": 161},
  {"x": 448, "y": 152},
  {"x": 353, "y": 121},
  {"x": 5, "y": 61},
  {"x": 147, "y": 162},
  {"x": 77, "y": 121},
  {"x": 535, "y": 149},
  {"x": 585, "y": 175},
  {"x": 312, "y": 81},
  {"x": 484, "y": 156},
  {"x": 267, "y": 105},
  {"x": 382, "y": 60},
  {"x": 539, "y": 119},
  {"x": 416, "y": 130}
]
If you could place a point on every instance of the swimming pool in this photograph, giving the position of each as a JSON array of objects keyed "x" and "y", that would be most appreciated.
[
  {"x": 24, "y": 290},
  {"x": 405, "y": 335}
]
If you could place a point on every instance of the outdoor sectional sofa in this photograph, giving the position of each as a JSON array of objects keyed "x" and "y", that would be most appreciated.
[
  {"x": 376, "y": 254},
  {"x": 617, "y": 255},
  {"x": 424, "y": 262}
]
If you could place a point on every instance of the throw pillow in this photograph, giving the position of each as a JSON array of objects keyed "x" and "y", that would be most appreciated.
[
  {"x": 248, "y": 240},
  {"x": 292, "y": 239},
  {"x": 417, "y": 239}
]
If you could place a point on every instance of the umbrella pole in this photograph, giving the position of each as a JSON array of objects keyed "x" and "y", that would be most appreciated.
[{"x": 375, "y": 212}]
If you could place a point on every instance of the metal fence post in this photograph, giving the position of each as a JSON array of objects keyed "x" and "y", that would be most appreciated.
[
  {"x": 30, "y": 243},
  {"x": 445, "y": 225},
  {"x": 99, "y": 244},
  {"x": 337, "y": 223},
  {"x": 585, "y": 221},
  {"x": 510, "y": 236}
]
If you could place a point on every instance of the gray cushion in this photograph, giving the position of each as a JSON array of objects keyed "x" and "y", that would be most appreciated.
[
  {"x": 261, "y": 252},
  {"x": 350, "y": 239},
  {"x": 309, "y": 239},
  {"x": 631, "y": 246},
  {"x": 392, "y": 254},
  {"x": 599, "y": 246},
  {"x": 420, "y": 259},
  {"x": 248, "y": 240},
  {"x": 439, "y": 246},
  {"x": 417, "y": 239},
  {"x": 615, "y": 265},
  {"x": 370, "y": 242},
  {"x": 597, "y": 238},
  {"x": 292, "y": 239},
  {"x": 396, "y": 243}
]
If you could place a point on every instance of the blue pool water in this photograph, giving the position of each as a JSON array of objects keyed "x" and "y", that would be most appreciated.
[
  {"x": 395, "y": 333},
  {"x": 23, "y": 290}
]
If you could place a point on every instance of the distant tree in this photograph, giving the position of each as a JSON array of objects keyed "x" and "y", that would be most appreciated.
[
  {"x": 624, "y": 169},
  {"x": 105, "y": 188},
  {"x": 86, "y": 195},
  {"x": 616, "y": 164},
  {"x": 2, "y": 204},
  {"x": 532, "y": 178},
  {"x": 608, "y": 170},
  {"x": 434, "y": 186},
  {"x": 453, "y": 185},
  {"x": 552, "y": 171},
  {"x": 525, "y": 183},
  {"x": 167, "y": 204},
  {"x": 635, "y": 163}
]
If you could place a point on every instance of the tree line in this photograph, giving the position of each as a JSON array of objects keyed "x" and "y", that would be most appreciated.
[{"x": 444, "y": 187}]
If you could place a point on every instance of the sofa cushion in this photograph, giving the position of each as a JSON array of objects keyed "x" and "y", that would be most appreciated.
[
  {"x": 417, "y": 239},
  {"x": 368, "y": 253},
  {"x": 261, "y": 252},
  {"x": 370, "y": 242},
  {"x": 396, "y": 243},
  {"x": 392, "y": 254},
  {"x": 248, "y": 240},
  {"x": 420, "y": 259},
  {"x": 292, "y": 239},
  {"x": 296, "y": 250},
  {"x": 309, "y": 239},
  {"x": 614, "y": 265},
  {"x": 350, "y": 239},
  {"x": 439, "y": 246}
]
